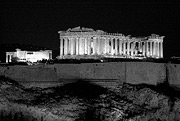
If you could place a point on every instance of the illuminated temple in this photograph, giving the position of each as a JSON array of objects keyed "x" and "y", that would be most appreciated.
[{"x": 87, "y": 43}]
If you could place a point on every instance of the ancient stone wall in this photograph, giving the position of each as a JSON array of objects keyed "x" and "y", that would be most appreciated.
[
  {"x": 112, "y": 73},
  {"x": 173, "y": 74},
  {"x": 145, "y": 72}
]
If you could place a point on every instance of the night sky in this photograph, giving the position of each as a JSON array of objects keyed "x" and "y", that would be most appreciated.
[{"x": 38, "y": 23}]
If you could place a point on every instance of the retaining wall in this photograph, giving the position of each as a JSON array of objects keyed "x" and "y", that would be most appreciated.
[
  {"x": 173, "y": 75},
  {"x": 106, "y": 74},
  {"x": 145, "y": 72}
]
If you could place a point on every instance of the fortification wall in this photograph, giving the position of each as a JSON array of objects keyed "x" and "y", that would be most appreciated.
[{"x": 105, "y": 74}]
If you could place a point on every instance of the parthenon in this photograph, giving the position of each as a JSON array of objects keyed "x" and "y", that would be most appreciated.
[{"x": 86, "y": 42}]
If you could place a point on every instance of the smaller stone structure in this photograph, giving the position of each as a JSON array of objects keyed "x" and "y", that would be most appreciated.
[{"x": 31, "y": 56}]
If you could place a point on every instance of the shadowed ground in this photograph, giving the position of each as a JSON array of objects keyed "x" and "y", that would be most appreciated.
[{"x": 84, "y": 101}]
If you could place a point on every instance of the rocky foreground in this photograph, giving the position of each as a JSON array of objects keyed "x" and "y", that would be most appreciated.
[{"x": 83, "y": 101}]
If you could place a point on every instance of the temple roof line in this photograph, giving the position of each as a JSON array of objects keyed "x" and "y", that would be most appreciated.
[{"x": 78, "y": 31}]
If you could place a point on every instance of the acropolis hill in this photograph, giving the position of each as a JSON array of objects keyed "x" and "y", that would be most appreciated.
[{"x": 86, "y": 43}]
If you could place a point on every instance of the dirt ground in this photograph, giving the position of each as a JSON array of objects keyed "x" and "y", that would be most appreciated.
[{"x": 83, "y": 101}]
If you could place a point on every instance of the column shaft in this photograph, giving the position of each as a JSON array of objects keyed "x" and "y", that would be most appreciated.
[
  {"x": 88, "y": 46},
  {"x": 151, "y": 48},
  {"x": 120, "y": 47},
  {"x": 71, "y": 46},
  {"x": 10, "y": 58},
  {"x": 143, "y": 49},
  {"x": 161, "y": 49},
  {"x": 147, "y": 49},
  {"x": 83, "y": 43},
  {"x": 136, "y": 47},
  {"x": 128, "y": 47},
  {"x": 105, "y": 46},
  {"x": 94, "y": 45},
  {"x": 99, "y": 45},
  {"x": 61, "y": 46},
  {"x": 85, "y": 46},
  {"x": 112, "y": 50},
  {"x": 7, "y": 58},
  {"x": 77, "y": 46},
  {"x": 65, "y": 46},
  {"x": 124, "y": 47},
  {"x": 132, "y": 48},
  {"x": 116, "y": 47},
  {"x": 154, "y": 49},
  {"x": 80, "y": 46},
  {"x": 74, "y": 46},
  {"x": 158, "y": 49}
]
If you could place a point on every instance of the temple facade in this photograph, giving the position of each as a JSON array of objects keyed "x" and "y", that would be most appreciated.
[
  {"x": 28, "y": 56},
  {"x": 87, "y": 43}
]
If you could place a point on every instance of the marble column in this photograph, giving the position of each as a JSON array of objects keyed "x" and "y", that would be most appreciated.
[
  {"x": 80, "y": 46},
  {"x": 7, "y": 58},
  {"x": 10, "y": 58},
  {"x": 161, "y": 47},
  {"x": 135, "y": 51},
  {"x": 77, "y": 46},
  {"x": 120, "y": 46},
  {"x": 112, "y": 49},
  {"x": 132, "y": 48},
  {"x": 139, "y": 47},
  {"x": 154, "y": 49},
  {"x": 143, "y": 49},
  {"x": 65, "y": 46},
  {"x": 107, "y": 46},
  {"x": 88, "y": 46},
  {"x": 61, "y": 46},
  {"x": 85, "y": 46},
  {"x": 99, "y": 45},
  {"x": 116, "y": 47},
  {"x": 128, "y": 47},
  {"x": 103, "y": 46},
  {"x": 124, "y": 47},
  {"x": 151, "y": 48},
  {"x": 94, "y": 45},
  {"x": 158, "y": 49},
  {"x": 74, "y": 46},
  {"x": 147, "y": 49},
  {"x": 70, "y": 46}
]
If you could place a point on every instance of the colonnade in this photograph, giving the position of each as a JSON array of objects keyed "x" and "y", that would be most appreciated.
[{"x": 104, "y": 45}]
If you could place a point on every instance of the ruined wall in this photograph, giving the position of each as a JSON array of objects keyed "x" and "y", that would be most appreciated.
[{"x": 105, "y": 74}]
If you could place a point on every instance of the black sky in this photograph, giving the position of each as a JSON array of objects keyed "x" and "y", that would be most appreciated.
[{"x": 38, "y": 22}]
